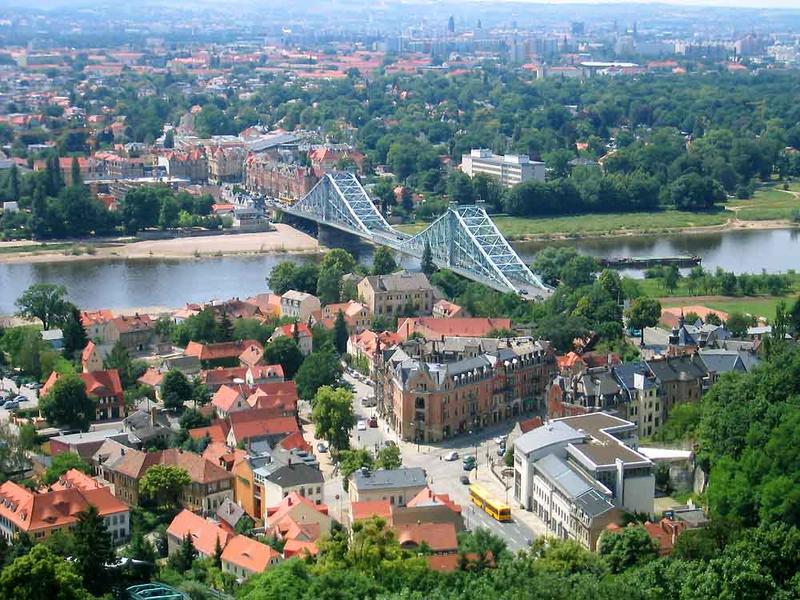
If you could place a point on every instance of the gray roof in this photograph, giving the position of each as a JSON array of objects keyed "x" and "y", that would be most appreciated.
[
  {"x": 722, "y": 361},
  {"x": 552, "y": 433},
  {"x": 559, "y": 473},
  {"x": 680, "y": 368},
  {"x": 230, "y": 512},
  {"x": 389, "y": 478},
  {"x": 593, "y": 503},
  {"x": 625, "y": 374},
  {"x": 295, "y": 474},
  {"x": 402, "y": 281},
  {"x": 270, "y": 141}
]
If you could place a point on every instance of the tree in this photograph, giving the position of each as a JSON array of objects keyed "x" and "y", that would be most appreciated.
[
  {"x": 388, "y": 458},
  {"x": 182, "y": 560},
  {"x": 427, "y": 260},
  {"x": 332, "y": 415},
  {"x": 66, "y": 404},
  {"x": 142, "y": 550},
  {"x": 63, "y": 462},
  {"x": 244, "y": 525},
  {"x": 340, "y": 334},
  {"x": 163, "y": 484},
  {"x": 644, "y": 312},
  {"x": 201, "y": 395},
  {"x": 737, "y": 324},
  {"x": 695, "y": 192},
  {"x": 46, "y": 302},
  {"x": 75, "y": 338},
  {"x": 284, "y": 351},
  {"x": 320, "y": 368},
  {"x": 383, "y": 261},
  {"x": 176, "y": 390},
  {"x": 191, "y": 419},
  {"x": 329, "y": 286},
  {"x": 120, "y": 359},
  {"x": 94, "y": 550},
  {"x": 41, "y": 574},
  {"x": 459, "y": 188},
  {"x": 671, "y": 278},
  {"x": 75, "y": 172},
  {"x": 624, "y": 549}
]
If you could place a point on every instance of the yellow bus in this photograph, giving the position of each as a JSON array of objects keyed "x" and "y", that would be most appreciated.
[{"x": 493, "y": 508}]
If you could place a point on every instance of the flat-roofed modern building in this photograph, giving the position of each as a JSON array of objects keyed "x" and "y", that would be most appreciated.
[
  {"x": 578, "y": 473},
  {"x": 509, "y": 169}
]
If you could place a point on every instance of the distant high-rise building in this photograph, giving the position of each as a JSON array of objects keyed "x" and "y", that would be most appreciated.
[
  {"x": 509, "y": 170},
  {"x": 451, "y": 24}
]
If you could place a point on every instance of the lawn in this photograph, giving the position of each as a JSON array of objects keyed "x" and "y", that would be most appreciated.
[
  {"x": 768, "y": 203},
  {"x": 597, "y": 224}
]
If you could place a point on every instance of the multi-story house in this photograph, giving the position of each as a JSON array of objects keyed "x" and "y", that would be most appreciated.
[
  {"x": 104, "y": 387},
  {"x": 356, "y": 315},
  {"x": 401, "y": 293},
  {"x": 210, "y": 484},
  {"x": 397, "y": 486},
  {"x": 42, "y": 513},
  {"x": 226, "y": 165},
  {"x": 299, "y": 305},
  {"x": 642, "y": 403},
  {"x": 680, "y": 379},
  {"x": 457, "y": 385},
  {"x": 191, "y": 165},
  {"x": 268, "y": 174},
  {"x": 300, "y": 332},
  {"x": 134, "y": 332}
]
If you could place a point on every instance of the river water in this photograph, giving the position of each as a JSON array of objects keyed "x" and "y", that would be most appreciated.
[{"x": 117, "y": 284}]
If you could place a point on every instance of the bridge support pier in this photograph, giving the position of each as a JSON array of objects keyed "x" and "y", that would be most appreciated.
[{"x": 336, "y": 238}]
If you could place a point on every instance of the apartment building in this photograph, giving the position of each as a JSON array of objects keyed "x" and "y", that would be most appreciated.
[
  {"x": 433, "y": 390},
  {"x": 104, "y": 387},
  {"x": 509, "y": 170},
  {"x": 401, "y": 293},
  {"x": 397, "y": 486}
]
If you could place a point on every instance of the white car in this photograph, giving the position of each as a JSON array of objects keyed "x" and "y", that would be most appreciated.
[
  {"x": 451, "y": 456},
  {"x": 362, "y": 425},
  {"x": 500, "y": 439}
]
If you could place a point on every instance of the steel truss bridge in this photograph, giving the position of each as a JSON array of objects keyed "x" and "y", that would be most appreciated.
[{"x": 464, "y": 239}]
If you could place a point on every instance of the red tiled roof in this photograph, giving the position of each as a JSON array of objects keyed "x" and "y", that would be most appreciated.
[
  {"x": 530, "y": 424},
  {"x": 76, "y": 479},
  {"x": 217, "y": 431},
  {"x": 128, "y": 324},
  {"x": 30, "y": 511},
  {"x": 427, "y": 496},
  {"x": 204, "y": 533},
  {"x": 288, "y": 330},
  {"x": 257, "y": 422},
  {"x": 289, "y": 503},
  {"x": 87, "y": 352},
  {"x": 98, "y": 384},
  {"x": 151, "y": 377},
  {"x": 295, "y": 547},
  {"x": 249, "y": 554},
  {"x": 440, "y": 537},
  {"x": 295, "y": 441},
  {"x": 458, "y": 326},
  {"x": 222, "y": 376},
  {"x": 371, "y": 508},
  {"x": 135, "y": 463},
  {"x": 218, "y": 351}
]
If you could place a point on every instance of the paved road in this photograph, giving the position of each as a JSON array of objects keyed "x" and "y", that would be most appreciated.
[{"x": 444, "y": 476}]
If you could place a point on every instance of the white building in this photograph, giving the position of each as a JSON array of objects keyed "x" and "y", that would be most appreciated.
[
  {"x": 509, "y": 170},
  {"x": 299, "y": 305},
  {"x": 578, "y": 473}
]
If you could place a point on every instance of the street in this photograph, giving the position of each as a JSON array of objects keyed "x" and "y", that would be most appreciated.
[{"x": 444, "y": 476}]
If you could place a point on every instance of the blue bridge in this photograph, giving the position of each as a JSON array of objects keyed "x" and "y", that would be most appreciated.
[{"x": 464, "y": 239}]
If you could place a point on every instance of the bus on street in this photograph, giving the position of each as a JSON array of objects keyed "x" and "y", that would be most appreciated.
[{"x": 480, "y": 498}]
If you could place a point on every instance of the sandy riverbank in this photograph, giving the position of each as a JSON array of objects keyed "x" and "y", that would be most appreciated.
[{"x": 283, "y": 239}]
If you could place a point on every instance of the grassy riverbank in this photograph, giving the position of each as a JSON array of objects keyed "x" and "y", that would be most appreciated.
[
  {"x": 603, "y": 224},
  {"x": 768, "y": 203}
]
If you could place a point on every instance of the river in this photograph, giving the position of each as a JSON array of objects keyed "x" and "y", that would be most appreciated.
[{"x": 118, "y": 284}]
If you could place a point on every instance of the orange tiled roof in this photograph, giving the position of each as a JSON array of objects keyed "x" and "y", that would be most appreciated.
[
  {"x": 427, "y": 496},
  {"x": 276, "y": 513},
  {"x": 226, "y": 397},
  {"x": 98, "y": 384},
  {"x": 458, "y": 326},
  {"x": 135, "y": 463},
  {"x": 441, "y": 537},
  {"x": 204, "y": 533},
  {"x": 222, "y": 376},
  {"x": 87, "y": 352},
  {"x": 371, "y": 508},
  {"x": 249, "y": 554},
  {"x": 218, "y": 351},
  {"x": 152, "y": 377},
  {"x": 295, "y": 547},
  {"x": 76, "y": 479},
  {"x": 217, "y": 431},
  {"x": 258, "y": 422},
  {"x": 30, "y": 511}
]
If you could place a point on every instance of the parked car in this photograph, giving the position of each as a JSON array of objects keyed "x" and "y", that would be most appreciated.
[
  {"x": 469, "y": 458},
  {"x": 451, "y": 456},
  {"x": 11, "y": 405},
  {"x": 322, "y": 447},
  {"x": 20, "y": 399},
  {"x": 464, "y": 479},
  {"x": 500, "y": 439},
  {"x": 362, "y": 425},
  {"x": 501, "y": 451},
  {"x": 468, "y": 466},
  {"x": 373, "y": 422}
]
